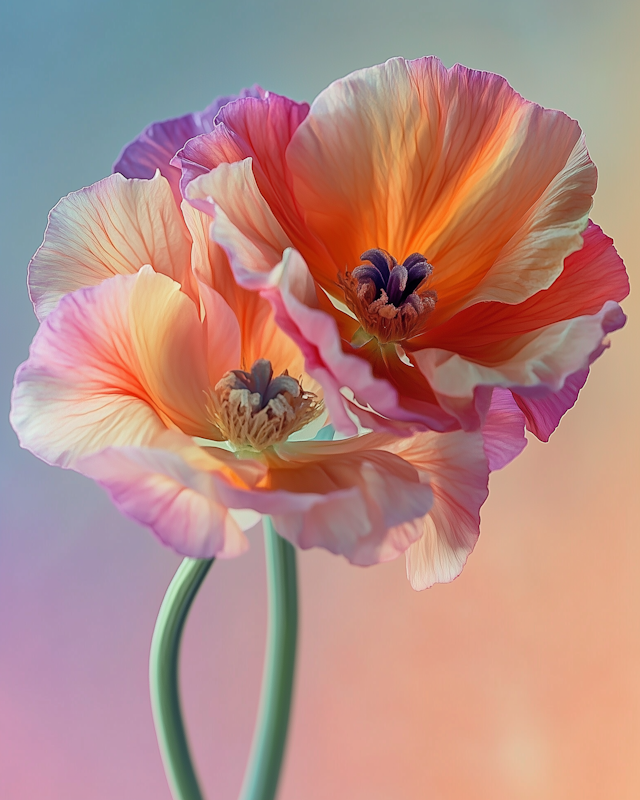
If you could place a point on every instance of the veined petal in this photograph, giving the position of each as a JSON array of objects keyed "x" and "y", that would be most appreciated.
[
  {"x": 163, "y": 491},
  {"x": 454, "y": 164},
  {"x": 503, "y": 430},
  {"x": 456, "y": 468},
  {"x": 260, "y": 336},
  {"x": 113, "y": 227},
  {"x": 113, "y": 364},
  {"x": 543, "y": 414},
  {"x": 158, "y": 143},
  {"x": 171, "y": 347},
  {"x": 79, "y": 391}
]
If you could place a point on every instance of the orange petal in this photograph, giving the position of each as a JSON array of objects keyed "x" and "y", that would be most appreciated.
[{"x": 454, "y": 164}]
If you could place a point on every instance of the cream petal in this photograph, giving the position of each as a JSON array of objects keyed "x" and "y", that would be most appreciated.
[
  {"x": 456, "y": 467},
  {"x": 113, "y": 227},
  {"x": 243, "y": 223},
  {"x": 171, "y": 348}
]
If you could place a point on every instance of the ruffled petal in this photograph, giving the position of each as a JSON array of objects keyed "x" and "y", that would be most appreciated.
[
  {"x": 543, "y": 414},
  {"x": 360, "y": 499},
  {"x": 455, "y": 465},
  {"x": 177, "y": 501},
  {"x": 532, "y": 365},
  {"x": 454, "y": 164},
  {"x": 113, "y": 227},
  {"x": 260, "y": 336},
  {"x": 243, "y": 224},
  {"x": 158, "y": 143}
]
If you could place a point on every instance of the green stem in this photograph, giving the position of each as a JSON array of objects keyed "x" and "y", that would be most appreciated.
[
  {"x": 163, "y": 678},
  {"x": 269, "y": 739},
  {"x": 267, "y": 750}
]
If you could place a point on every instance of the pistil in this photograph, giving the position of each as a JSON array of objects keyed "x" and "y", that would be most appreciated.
[
  {"x": 391, "y": 300},
  {"x": 255, "y": 410}
]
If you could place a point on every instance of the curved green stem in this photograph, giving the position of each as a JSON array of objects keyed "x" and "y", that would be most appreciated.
[
  {"x": 267, "y": 750},
  {"x": 269, "y": 739},
  {"x": 163, "y": 678}
]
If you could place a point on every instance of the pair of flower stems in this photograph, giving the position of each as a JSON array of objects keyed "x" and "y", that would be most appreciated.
[{"x": 265, "y": 760}]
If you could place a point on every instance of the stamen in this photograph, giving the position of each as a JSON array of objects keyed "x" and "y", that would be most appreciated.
[
  {"x": 391, "y": 300},
  {"x": 255, "y": 410}
]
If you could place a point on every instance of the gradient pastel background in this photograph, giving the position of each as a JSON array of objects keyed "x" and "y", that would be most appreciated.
[{"x": 521, "y": 680}]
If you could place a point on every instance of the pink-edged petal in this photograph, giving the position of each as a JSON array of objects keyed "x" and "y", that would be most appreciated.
[
  {"x": 455, "y": 465},
  {"x": 533, "y": 365},
  {"x": 79, "y": 390},
  {"x": 158, "y": 143},
  {"x": 256, "y": 128},
  {"x": 503, "y": 430},
  {"x": 163, "y": 491},
  {"x": 113, "y": 227},
  {"x": 591, "y": 276},
  {"x": 543, "y": 414}
]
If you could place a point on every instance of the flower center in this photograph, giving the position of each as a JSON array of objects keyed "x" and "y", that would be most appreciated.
[
  {"x": 391, "y": 300},
  {"x": 255, "y": 410}
]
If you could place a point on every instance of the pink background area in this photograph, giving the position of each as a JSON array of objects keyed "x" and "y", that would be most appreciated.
[{"x": 519, "y": 681}]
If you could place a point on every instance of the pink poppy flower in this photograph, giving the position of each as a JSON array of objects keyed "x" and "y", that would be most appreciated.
[
  {"x": 154, "y": 373},
  {"x": 423, "y": 234}
]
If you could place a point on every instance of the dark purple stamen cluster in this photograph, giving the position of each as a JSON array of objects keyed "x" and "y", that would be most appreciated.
[
  {"x": 398, "y": 281},
  {"x": 261, "y": 381}
]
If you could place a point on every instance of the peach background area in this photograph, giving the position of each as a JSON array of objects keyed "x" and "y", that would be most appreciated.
[{"x": 519, "y": 681}]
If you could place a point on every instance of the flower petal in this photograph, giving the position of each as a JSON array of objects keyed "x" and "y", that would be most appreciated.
[
  {"x": 113, "y": 227},
  {"x": 171, "y": 346},
  {"x": 363, "y": 498},
  {"x": 453, "y": 164},
  {"x": 79, "y": 390},
  {"x": 456, "y": 468},
  {"x": 113, "y": 364},
  {"x": 256, "y": 128},
  {"x": 178, "y": 502},
  {"x": 243, "y": 224},
  {"x": 158, "y": 143},
  {"x": 543, "y": 414},
  {"x": 531, "y": 365},
  {"x": 503, "y": 430}
]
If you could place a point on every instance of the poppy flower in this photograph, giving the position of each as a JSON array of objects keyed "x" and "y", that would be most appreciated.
[
  {"x": 154, "y": 373},
  {"x": 423, "y": 234}
]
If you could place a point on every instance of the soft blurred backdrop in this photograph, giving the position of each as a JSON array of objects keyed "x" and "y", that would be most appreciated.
[{"x": 519, "y": 681}]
